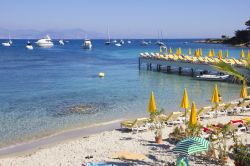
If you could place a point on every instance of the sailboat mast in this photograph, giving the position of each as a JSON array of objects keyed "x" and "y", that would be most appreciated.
[{"x": 108, "y": 35}]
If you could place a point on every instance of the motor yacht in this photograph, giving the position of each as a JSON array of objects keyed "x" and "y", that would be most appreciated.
[
  {"x": 212, "y": 77},
  {"x": 87, "y": 44},
  {"x": 29, "y": 46},
  {"x": 7, "y": 43},
  {"x": 45, "y": 42}
]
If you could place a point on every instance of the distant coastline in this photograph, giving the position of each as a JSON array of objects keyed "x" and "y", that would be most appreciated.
[
  {"x": 240, "y": 39},
  {"x": 222, "y": 41}
]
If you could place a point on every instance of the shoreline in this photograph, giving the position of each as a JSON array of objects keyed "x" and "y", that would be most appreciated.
[
  {"x": 33, "y": 145},
  {"x": 30, "y": 146}
]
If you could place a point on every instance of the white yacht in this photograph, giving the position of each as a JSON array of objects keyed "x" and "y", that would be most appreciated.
[
  {"x": 213, "y": 77},
  {"x": 114, "y": 41},
  {"x": 118, "y": 45},
  {"x": 129, "y": 42},
  {"x": 144, "y": 43},
  {"x": 61, "y": 42},
  {"x": 7, "y": 43},
  {"x": 87, "y": 44},
  {"x": 121, "y": 42},
  {"x": 45, "y": 42},
  {"x": 29, "y": 46}
]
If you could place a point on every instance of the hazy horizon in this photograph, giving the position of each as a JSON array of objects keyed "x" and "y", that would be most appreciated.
[{"x": 125, "y": 19}]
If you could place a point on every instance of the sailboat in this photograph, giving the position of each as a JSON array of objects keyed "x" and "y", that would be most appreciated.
[
  {"x": 61, "y": 42},
  {"x": 160, "y": 42},
  {"x": 7, "y": 43},
  {"x": 108, "y": 42}
]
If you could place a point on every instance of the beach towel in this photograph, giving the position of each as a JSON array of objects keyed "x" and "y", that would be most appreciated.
[
  {"x": 97, "y": 164},
  {"x": 237, "y": 121},
  {"x": 128, "y": 156}
]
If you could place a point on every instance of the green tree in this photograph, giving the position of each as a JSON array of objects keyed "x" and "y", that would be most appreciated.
[
  {"x": 247, "y": 23},
  {"x": 233, "y": 71}
]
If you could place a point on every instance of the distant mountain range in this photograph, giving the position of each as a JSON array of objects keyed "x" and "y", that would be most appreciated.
[{"x": 54, "y": 34}]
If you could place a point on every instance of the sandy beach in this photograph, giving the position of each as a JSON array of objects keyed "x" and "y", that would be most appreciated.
[{"x": 102, "y": 147}]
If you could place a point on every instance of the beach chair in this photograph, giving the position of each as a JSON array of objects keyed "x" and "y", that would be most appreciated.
[
  {"x": 201, "y": 59},
  {"x": 217, "y": 60},
  {"x": 139, "y": 124},
  {"x": 194, "y": 59},
  {"x": 238, "y": 62},
  {"x": 210, "y": 60},
  {"x": 175, "y": 119},
  {"x": 231, "y": 61},
  {"x": 188, "y": 58}
]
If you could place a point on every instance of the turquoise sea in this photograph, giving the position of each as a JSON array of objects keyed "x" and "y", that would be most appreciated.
[{"x": 39, "y": 87}]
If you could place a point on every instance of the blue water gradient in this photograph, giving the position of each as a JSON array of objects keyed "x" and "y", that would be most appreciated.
[{"x": 39, "y": 87}]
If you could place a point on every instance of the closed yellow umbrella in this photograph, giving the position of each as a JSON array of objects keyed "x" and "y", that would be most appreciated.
[
  {"x": 200, "y": 52},
  {"x": 151, "y": 104},
  {"x": 226, "y": 54},
  {"x": 177, "y": 51},
  {"x": 209, "y": 53},
  {"x": 196, "y": 53},
  {"x": 180, "y": 51},
  {"x": 193, "y": 115},
  {"x": 215, "y": 98},
  {"x": 243, "y": 93},
  {"x": 220, "y": 54},
  {"x": 242, "y": 54},
  {"x": 160, "y": 49},
  {"x": 213, "y": 53},
  {"x": 189, "y": 52},
  {"x": 185, "y": 102},
  {"x": 170, "y": 50},
  {"x": 248, "y": 54}
]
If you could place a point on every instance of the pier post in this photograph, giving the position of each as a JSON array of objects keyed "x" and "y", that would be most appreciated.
[
  {"x": 159, "y": 67},
  {"x": 168, "y": 68},
  {"x": 139, "y": 63},
  {"x": 180, "y": 70},
  {"x": 150, "y": 66},
  {"x": 192, "y": 72}
]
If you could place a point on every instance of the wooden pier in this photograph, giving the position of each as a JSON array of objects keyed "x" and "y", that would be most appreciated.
[{"x": 179, "y": 67}]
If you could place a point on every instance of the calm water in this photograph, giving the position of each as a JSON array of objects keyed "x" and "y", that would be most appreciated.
[{"x": 38, "y": 87}]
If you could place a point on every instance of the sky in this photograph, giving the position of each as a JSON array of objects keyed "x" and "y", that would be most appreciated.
[{"x": 128, "y": 18}]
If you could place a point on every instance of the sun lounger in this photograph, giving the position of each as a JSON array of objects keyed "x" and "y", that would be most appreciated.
[{"x": 139, "y": 124}]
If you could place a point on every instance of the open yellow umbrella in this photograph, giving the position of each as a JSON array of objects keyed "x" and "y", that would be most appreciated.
[
  {"x": 185, "y": 102},
  {"x": 170, "y": 50},
  {"x": 215, "y": 98},
  {"x": 189, "y": 52},
  {"x": 151, "y": 104},
  {"x": 226, "y": 54},
  {"x": 180, "y": 51},
  {"x": 243, "y": 93},
  {"x": 193, "y": 115},
  {"x": 242, "y": 54}
]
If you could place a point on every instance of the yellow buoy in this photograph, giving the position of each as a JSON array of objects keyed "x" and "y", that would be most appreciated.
[{"x": 101, "y": 74}]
